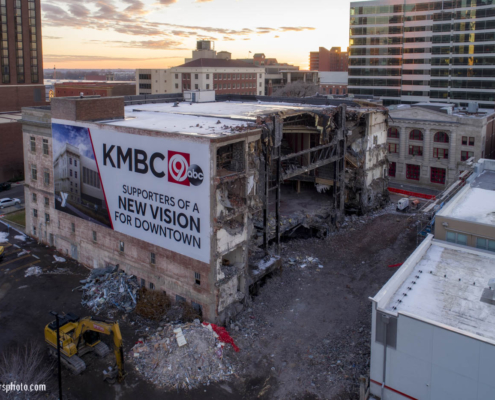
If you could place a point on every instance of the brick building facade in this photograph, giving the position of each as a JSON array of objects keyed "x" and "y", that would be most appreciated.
[
  {"x": 428, "y": 146},
  {"x": 328, "y": 60},
  {"x": 104, "y": 89},
  {"x": 223, "y": 76},
  {"x": 21, "y": 75}
]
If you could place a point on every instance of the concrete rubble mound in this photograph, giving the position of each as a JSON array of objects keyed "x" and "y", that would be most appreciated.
[
  {"x": 183, "y": 356},
  {"x": 109, "y": 289}
]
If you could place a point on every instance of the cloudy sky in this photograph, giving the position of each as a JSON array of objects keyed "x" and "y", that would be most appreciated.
[
  {"x": 74, "y": 135},
  {"x": 161, "y": 33}
]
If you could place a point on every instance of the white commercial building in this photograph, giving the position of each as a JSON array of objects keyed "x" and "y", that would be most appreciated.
[
  {"x": 436, "y": 316},
  {"x": 407, "y": 51},
  {"x": 223, "y": 76}
]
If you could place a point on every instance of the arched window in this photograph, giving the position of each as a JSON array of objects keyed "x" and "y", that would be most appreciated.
[
  {"x": 441, "y": 137},
  {"x": 393, "y": 133},
  {"x": 416, "y": 134}
]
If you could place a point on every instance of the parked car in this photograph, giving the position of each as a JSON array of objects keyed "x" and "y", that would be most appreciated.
[
  {"x": 4, "y": 186},
  {"x": 7, "y": 202}
]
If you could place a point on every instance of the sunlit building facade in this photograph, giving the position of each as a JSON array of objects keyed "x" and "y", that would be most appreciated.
[{"x": 408, "y": 51}]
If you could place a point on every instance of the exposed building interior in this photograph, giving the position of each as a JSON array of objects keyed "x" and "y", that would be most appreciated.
[{"x": 304, "y": 172}]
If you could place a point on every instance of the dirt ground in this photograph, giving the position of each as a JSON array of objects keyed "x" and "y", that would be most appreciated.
[
  {"x": 308, "y": 329},
  {"x": 306, "y": 335}
]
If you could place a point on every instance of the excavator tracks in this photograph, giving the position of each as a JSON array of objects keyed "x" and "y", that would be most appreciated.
[
  {"x": 75, "y": 364},
  {"x": 101, "y": 349}
]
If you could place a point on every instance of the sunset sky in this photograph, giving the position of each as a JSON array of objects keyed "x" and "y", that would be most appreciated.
[{"x": 161, "y": 33}]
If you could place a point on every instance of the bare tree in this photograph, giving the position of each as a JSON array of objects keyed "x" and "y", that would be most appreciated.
[
  {"x": 298, "y": 89},
  {"x": 24, "y": 365}
]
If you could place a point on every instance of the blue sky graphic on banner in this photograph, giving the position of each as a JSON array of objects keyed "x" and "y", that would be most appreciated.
[
  {"x": 78, "y": 189},
  {"x": 77, "y": 136}
]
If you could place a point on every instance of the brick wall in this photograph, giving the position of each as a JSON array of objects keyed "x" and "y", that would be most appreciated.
[
  {"x": 227, "y": 83},
  {"x": 11, "y": 158},
  {"x": 88, "y": 109},
  {"x": 13, "y": 98}
]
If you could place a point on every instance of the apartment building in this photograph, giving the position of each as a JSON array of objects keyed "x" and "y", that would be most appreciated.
[
  {"x": 21, "y": 59},
  {"x": 408, "y": 51},
  {"x": 428, "y": 144},
  {"x": 328, "y": 60},
  {"x": 21, "y": 77},
  {"x": 222, "y": 75}
]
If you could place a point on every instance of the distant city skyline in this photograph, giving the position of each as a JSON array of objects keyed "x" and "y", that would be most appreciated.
[{"x": 96, "y": 34}]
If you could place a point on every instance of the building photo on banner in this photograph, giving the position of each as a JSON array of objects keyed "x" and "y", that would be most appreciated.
[{"x": 151, "y": 188}]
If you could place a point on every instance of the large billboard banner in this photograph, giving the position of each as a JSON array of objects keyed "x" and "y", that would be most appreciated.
[{"x": 152, "y": 188}]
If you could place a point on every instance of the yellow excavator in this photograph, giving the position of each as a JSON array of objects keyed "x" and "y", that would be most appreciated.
[{"x": 79, "y": 336}]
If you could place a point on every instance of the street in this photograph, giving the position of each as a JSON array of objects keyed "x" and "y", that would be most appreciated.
[{"x": 16, "y": 191}]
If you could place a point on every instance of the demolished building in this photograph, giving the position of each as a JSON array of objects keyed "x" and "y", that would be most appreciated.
[{"x": 197, "y": 196}]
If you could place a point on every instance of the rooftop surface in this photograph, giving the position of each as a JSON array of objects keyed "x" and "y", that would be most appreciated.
[
  {"x": 441, "y": 107},
  {"x": 8, "y": 118},
  {"x": 446, "y": 283},
  {"x": 204, "y": 119},
  {"x": 475, "y": 203},
  {"x": 218, "y": 63}
]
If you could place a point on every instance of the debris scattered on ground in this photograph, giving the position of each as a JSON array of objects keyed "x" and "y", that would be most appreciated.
[
  {"x": 152, "y": 304},
  {"x": 23, "y": 252},
  {"x": 199, "y": 358},
  {"x": 59, "y": 259},
  {"x": 33, "y": 271},
  {"x": 60, "y": 271},
  {"x": 109, "y": 289},
  {"x": 20, "y": 237},
  {"x": 304, "y": 262},
  {"x": 4, "y": 237}
]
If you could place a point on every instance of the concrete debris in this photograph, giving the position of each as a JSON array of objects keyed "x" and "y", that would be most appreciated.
[
  {"x": 321, "y": 188},
  {"x": 319, "y": 222},
  {"x": 305, "y": 262},
  {"x": 59, "y": 259},
  {"x": 109, "y": 289},
  {"x": 21, "y": 237},
  {"x": 33, "y": 271},
  {"x": 182, "y": 357}
]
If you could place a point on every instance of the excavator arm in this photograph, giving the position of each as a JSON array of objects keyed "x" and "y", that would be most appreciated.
[{"x": 106, "y": 327}]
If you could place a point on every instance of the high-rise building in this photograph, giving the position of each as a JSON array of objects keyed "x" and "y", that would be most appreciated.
[
  {"x": 21, "y": 61},
  {"x": 21, "y": 77},
  {"x": 328, "y": 60},
  {"x": 409, "y": 51}
]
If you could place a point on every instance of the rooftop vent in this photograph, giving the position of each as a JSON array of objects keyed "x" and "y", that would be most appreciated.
[
  {"x": 488, "y": 295},
  {"x": 199, "y": 96},
  {"x": 472, "y": 108}
]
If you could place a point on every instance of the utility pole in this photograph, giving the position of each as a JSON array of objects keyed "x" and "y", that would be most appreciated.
[{"x": 58, "y": 355}]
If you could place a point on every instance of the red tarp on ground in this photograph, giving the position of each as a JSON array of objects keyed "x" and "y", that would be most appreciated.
[{"x": 223, "y": 335}]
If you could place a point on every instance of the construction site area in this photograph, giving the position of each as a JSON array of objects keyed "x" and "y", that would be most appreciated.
[
  {"x": 305, "y": 334},
  {"x": 245, "y": 273}
]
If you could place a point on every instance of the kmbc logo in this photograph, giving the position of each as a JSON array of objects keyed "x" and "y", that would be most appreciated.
[{"x": 181, "y": 171}]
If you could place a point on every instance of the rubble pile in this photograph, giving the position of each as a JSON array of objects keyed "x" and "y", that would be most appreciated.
[
  {"x": 319, "y": 222},
  {"x": 109, "y": 289},
  {"x": 183, "y": 356},
  {"x": 152, "y": 304}
]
